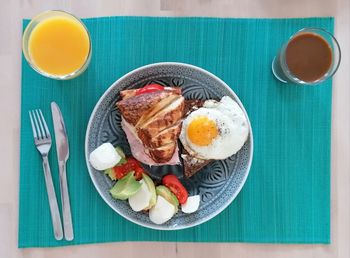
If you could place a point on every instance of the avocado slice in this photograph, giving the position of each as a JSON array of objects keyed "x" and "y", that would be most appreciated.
[
  {"x": 121, "y": 154},
  {"x": 110, "y": 173},
  {"x": 125, "y": 187},
  {"x": 151, "y": 187},
  {"x": 167, "y": 195}
]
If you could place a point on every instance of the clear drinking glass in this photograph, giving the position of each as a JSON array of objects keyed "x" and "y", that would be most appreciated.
[
  {"x": 283, "y": 73},
  {"x": 42, "y": 17}
]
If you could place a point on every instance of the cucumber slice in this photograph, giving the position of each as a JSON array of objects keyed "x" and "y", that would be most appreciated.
[{"x": 125, "y": 187}]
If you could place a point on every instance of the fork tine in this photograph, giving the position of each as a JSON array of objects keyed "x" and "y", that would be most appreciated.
[
  {"x": 37, "y": 125},
  {"x": 40, "y": 123},
  {"x": 45, "y": 125},
  {"x": 33, "y": 126}
]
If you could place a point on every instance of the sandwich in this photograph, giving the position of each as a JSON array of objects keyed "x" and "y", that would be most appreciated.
[
  {"x": 152, "y": 123},
  {"x": 154, "y": 118}
]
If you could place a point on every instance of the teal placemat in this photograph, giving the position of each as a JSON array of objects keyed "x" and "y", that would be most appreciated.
[{"x": 286, "y": 198}]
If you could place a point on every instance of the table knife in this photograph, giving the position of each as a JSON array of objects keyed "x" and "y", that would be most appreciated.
[{"x": 62, "y": 148}]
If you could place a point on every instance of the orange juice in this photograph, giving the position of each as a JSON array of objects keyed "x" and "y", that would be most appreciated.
[{"x": 59, "y": 45}]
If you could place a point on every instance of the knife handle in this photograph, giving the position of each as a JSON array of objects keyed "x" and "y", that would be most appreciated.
[
  {"x": 55, "y": 214},
  {"x": 67, "y": 217}
]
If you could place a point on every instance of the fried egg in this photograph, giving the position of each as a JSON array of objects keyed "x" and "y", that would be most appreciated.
[{"x": 215, "y": 131}]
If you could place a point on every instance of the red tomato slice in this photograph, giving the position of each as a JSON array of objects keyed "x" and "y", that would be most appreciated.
[
  {"x": 119, "y": 172},
  {"x": 149, "y": 88},
  {"x": 135, "y": 166},
  {"x": 176, "y": 188},
  {"x": 131, "y": 164}
]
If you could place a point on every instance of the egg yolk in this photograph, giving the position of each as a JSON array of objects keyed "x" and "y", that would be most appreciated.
[{"x": 202, "y": 131}]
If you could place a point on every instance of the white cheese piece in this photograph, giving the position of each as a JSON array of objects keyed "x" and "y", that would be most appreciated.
[
  {"x": 104, "y": 157},
  {"x": 141, "y": 199},
  {"x": 162, "y": 211},
  {"x": 191, "y": 205}
]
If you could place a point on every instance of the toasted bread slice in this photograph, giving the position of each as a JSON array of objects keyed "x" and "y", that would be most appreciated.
[
  {"x": 127, "y": 93},
  {"x": 168, "y": 135},
  {"x": 192, "y": 105},
  {"x": 156, "y": 109},
  {"x": 130, "y": 93},
  {"x": 191, "y": 164},
  {"x": 156, "y": 119},
  {"x": 133, "y": 108},
  {"x": 167, "y": 117},
  {"x": 164, "y": 153},
  {"x": 140, "y": 152}
]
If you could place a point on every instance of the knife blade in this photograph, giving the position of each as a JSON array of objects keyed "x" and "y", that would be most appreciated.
[
  {"x": 62, "y": 148},
  {"x": 60, "y": 133}
]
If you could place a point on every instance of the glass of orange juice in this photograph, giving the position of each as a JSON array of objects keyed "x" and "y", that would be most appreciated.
[{"x": 57, "y": 45}]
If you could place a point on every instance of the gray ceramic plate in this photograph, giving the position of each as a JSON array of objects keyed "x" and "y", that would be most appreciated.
[{"x": 218, "y": 183}]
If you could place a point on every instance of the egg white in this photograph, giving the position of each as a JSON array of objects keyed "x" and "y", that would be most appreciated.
[{"x": 232, "y": 128}]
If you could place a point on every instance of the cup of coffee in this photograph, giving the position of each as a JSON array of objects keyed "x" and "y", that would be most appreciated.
[{"x": 311, "y": 56}]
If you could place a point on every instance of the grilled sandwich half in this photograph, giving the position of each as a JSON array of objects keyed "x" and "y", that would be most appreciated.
[{"x": 156, "y": 118}]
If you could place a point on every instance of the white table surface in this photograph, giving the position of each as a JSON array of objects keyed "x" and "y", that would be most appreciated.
[{"x": 11, "y": 14}]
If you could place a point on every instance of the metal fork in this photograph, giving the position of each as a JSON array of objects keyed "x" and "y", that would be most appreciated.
[{"x": 42, "y": 140}]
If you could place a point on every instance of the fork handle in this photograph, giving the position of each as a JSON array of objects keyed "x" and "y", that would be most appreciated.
[
  {"x": 55, "y": 214},
  {"x": 67, "y": 217}
]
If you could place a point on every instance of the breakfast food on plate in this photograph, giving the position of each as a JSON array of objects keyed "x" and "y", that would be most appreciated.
[
  {"x": 151, "y": 120},
  {"x": 105, "y": 156},
  {"x": 192, "y": 164},
  {"x": 191, "y": 205},
  {"x": 135, "y": 186},
  {"x": 146, "y": 197},
  {"x": 154, "y": 117},
  {"x": 214, "y": 131},
  {"x": 176, "y": 187},
  {"x": 162, "y": 211},
  {"x": 125, "y": 187},
  {"x": 147, "y": 89}
]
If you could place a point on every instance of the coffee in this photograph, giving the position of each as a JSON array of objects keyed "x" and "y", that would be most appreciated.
[{"x": 308, "y": 57}]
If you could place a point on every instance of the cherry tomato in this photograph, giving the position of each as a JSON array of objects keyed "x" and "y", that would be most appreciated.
[
  {"x": 149, "y": 88},
  {"x": 131, "y": 164},
  {"x": 176, "y": 188}
]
